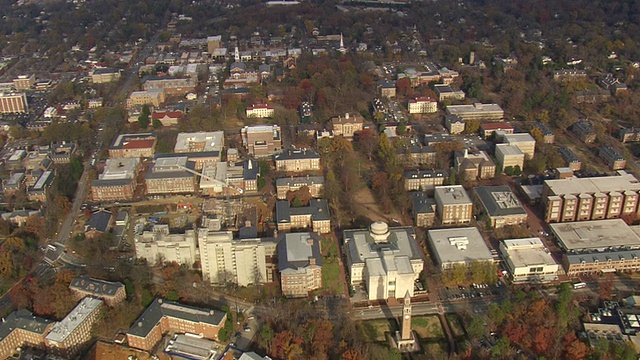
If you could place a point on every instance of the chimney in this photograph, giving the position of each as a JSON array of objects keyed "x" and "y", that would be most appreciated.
[
  {"x": 275, "y": 233},
  {"x": 247, "y": 223},
  {"x": 346, "y": 116},
  {"x": 312, "y": 261}
]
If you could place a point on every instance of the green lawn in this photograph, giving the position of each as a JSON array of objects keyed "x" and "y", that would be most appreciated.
[
  {"x": 332, "y": 281},
  {"x": 374, "y": 330},
  {"x": 427, "y": 327}
]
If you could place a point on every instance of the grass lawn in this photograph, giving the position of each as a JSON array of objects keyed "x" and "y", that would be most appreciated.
[
  {"x": 427, "y": 327},
  {"x": 435, "y": 349},
  {"x": 455, "y": 324},
  {"x": 374, "y": 330},
  {"x": 332, "y": 281}
]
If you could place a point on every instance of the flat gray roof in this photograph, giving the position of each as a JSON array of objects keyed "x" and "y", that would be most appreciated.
[
  {"x": 452, "y": 194},
  {"x": 62, "y": 329},
  {"x": 508, "y": 150},
  {"x": 595, "y": 235},
  {"x": 603, "y": 184},
  {"x": 460, "y": 245},
  {"x": 527, "y": 252},
  {"x": 212, "y": 141}
]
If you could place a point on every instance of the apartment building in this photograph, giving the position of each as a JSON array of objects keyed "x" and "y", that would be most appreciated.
[
  {"x": 548, "y": 136},
  {"x": 472, "y": 165},
  {"x": 422, "y": 105},
  {"x": 612, "y": 158},
  {"x": 454, "y": 124},
  {"x": 110, "y": 292},
  {"x": 105, "y": 75},
  {"x": 572, "y": 160},
  {"x": 509, "y": 156},
  {"x": 171, "y": 175},
  {"x": 117, "y": 181},
  {"x": 424, "y": 209},
  {"x": 24, "y": 82},
  {"x": 22, "y": 329},
  {"x": 315, "y": 184},
  {"x": 260, "y": 111},
  {"x": 528, "y": 261},
  {"x": 346, "y": 126},
  {"x": 424, "y": 180},
  {"x": 314, "y": 216},
  {"x": 501, "y": 205},
  {"x": 72, "y": 334},
  {"x": 199, "y": 142},
  {"x": 446, "y": 93},
  {"x": 169, "y": 85},
  {"x": 133, "y": 146},
  {"x": 477, "y": 111},
  {"x": 463, "y": 246},
  {"x": 297, "y": 160},
  {"x": 11, "y": 103},
  {"x": 164, "y": 316},
  {"x": 299, "y": 264},
  {"x": 487, "y": 129},
  {"x": 593, "y": 198},
  {"x": 453, "y": 205},
  {"x": 629, "y": 135},
  {"x": 242, "y": 261},
  {"x": 564, "y": 74},
  {"x": 158, "y": 246},
  {"x": 585, "y": 131},
  {"x": 262, "y": 140},
  {"x": 154, "y": 97},
  {"x": 386, "y": 260}
]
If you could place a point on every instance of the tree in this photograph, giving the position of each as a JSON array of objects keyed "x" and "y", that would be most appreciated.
[
  {"x": 471, "y": 126},
  {"x": 367, "y": 142},
  {"x": 143, "y": 118},
  {"x": 156, "y": 124}
]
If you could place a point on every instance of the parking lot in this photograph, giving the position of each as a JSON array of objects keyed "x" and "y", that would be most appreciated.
[{"x": 468, "y": 292}]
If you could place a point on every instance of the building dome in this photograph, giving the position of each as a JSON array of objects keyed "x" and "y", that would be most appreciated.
[{"x": 379, "y": 231}]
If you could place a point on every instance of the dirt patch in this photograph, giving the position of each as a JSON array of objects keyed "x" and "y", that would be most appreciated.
[
  {"x": 427, "y": 327},
  {"x": 366, "y": 206},
  {"x": 103, "y": 351}
]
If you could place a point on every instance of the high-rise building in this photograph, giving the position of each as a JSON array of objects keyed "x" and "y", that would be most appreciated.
[{"x": 13, "y": 103}]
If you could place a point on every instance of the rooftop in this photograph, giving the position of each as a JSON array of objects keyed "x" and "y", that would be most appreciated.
[
  {"x": 516, "y": 138},
  {"x": 124, "y": 141},
  {"x": 422, "y": 174},
  {"x": 25, "y": 320},
  {"x": 452, "y": 194},
  {"x": 96, "y": 287},
  {"x": 295, "y": 251},
  {"x": 596, "y": 235},
  {"x": 380, "y": 239},
  {"x": 499, "y": 200},
  {"x": 318, "y": 209},
  {"x": 199, "y": 141},
  {"x": 301, "y": 180},
  {"x": 604, "y": 184},
  {"x": 475, "y": 108},
  {"x": 509, "y": 150},
  {"x": 297, "y": 154},
  {"x": 459, "y": 245},
  {"x": 160, "y": 308},
  {"x": 62, "y": 329},
  {"x": 526, "y": 252},
  {"x": 119, "y": 168}
]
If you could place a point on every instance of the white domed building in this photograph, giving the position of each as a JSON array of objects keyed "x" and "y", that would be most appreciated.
[{"x": 387, "y": 261}]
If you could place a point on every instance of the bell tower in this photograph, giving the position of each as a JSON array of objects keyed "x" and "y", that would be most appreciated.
[{"x": 406, "y": 317}]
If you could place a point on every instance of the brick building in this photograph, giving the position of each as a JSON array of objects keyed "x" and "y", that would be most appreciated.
[
  {"x": 133, "y": 145},
  {"x": 71, "y": 335},
  {"x": 297, "y": 160},
  {"x": 300, "y": 264},
  {"x": 314, "y": 217},
  {"x": 110, "y": 292},
  {"x": 171, "y": 175}
]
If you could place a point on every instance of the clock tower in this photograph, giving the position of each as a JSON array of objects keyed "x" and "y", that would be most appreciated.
[{"x": 406, "y": 317}]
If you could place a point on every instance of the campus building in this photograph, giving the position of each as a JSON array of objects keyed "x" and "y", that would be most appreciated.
[
  {"x": 262, "y": 140},
  {"x": 314, "y": 217},
  {"x": 424, "y": 180},
  {"x": 171, "y": 175},
  {"x": 22, "y": 329},
  {"x": 387, "y": 261},
  {"x": 458, "y": 246},
  {"x": 117, "y": 181},
  {"x": 501, "y": 205},
  {"x": 591, "y": 198},
  {"x": 158, "y": 246},
  {"x": 133, "y": 145},
  {"x": 297, "y": 160},
  {"x": 300, "y": 264},
  {"x": 242, "y": 261},
  {"x": 477, "y": 111},
  {"x": 528, "y": 261},
  {"x": 73, "y": 333},
  {"x": 164, "y": 316},
  {"x": 109, "y": 292},
  {"x": 13, "y": 103},
  {"x": 453, "y": 205},
  {"x": 315, "y": 184}
]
